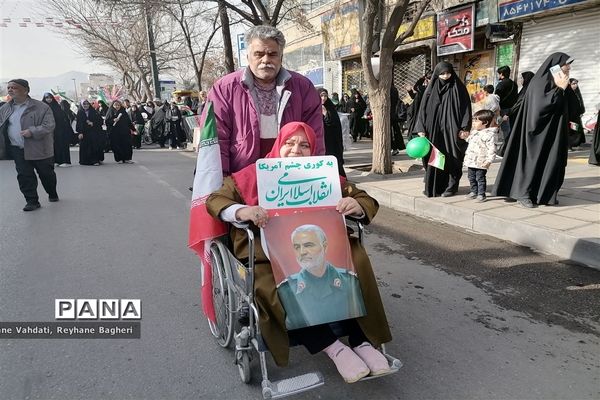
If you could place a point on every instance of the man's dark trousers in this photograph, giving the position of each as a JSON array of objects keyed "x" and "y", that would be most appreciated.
[{"x": 27, "y": 178}]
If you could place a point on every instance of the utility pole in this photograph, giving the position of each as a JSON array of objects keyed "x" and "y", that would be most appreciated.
[
  {"x": 75, "y": 86},
  {"x": 152, "y": 50}
]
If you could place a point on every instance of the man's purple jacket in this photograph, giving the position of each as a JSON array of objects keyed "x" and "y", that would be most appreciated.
[{"x": 238, "y": 122}]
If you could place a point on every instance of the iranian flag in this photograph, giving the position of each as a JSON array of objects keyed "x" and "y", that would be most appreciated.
[
  {"x": 101, "y": 96},
  {"x": 203, "y": 227},
  {"x": 437, "y": 159}
]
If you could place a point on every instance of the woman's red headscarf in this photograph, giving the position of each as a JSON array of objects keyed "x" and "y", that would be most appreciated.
[{"x": 245, "y": 179}]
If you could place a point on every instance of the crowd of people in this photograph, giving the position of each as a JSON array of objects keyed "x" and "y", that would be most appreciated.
[
  {"x": 473, "y": 135},
  {"x": 94, "y": 126}
]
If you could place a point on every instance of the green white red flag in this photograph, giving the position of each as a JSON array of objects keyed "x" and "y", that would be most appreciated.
[
  {"x": 437, "y": 159},
  {"x": 203, "y": 227},
  {"x": 101, "y": 96}
]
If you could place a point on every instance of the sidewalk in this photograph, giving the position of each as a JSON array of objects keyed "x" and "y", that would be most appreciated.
[{"x": 570, "y": 230}]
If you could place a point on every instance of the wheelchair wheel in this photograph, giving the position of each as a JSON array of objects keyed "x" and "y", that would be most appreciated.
[
  {"x": 222, "y": 296},
  {"x": 243, "y": 363},
  {"x": 147, "y": 139}
]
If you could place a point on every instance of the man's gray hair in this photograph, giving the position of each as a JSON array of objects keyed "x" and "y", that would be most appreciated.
[
  {"x": 311, "y": 228},
  {"x": 265, "y": 32}
]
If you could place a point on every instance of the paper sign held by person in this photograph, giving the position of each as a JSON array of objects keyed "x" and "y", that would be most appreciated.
[{"x": 306, "y": 240}]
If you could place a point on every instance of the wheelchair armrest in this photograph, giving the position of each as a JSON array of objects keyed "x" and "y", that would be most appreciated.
[{"x": 359, "y": 226}]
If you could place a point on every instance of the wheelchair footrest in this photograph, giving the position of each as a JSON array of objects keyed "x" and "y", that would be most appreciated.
[
  {"x": 394, "y": 364},
  {"x": 290, "y": 386}
]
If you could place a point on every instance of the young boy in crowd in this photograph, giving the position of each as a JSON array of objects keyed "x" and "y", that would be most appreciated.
[{"x": 480, "y": 152}]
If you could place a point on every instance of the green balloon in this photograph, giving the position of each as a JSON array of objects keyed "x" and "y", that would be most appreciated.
[{"x": 418, "y": 147}]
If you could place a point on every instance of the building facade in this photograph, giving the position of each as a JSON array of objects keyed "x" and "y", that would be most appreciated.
[{"x": 477, "y": 37}]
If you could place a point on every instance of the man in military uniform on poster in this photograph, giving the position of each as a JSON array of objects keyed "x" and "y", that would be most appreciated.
[{"x": 320, "y": 292}]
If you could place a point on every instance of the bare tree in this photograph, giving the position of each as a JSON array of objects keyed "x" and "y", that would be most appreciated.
[
  {"x": 379, "y": 84},
  {"x": 194, "y": 22},
  {"x": 116, "y": 37}
]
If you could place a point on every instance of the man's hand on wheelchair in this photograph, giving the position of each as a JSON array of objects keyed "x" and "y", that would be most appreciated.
[
  {"x": 349, "y": 206},
  {"x": 255, "y": 214}
]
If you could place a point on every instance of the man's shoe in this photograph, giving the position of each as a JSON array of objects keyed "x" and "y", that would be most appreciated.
[
  {"x": 527, "y": 203},
  {"x": 481, "y": 199},
  {"x": 31, "y": 206},
  {"x": 509, "y": 200},
  {"x": 471, "y": 195},
  {"x": 448, "y": 193},
  {"x": 53, "y": 199}
]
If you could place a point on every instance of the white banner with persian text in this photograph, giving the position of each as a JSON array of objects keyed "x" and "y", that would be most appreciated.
[{"x": 298, "y": 182}]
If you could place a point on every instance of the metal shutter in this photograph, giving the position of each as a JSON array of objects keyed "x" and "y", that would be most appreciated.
[{"x": 575, "y": 34}]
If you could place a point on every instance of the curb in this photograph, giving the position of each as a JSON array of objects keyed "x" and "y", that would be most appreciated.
[{"x": 546, "y": 240}]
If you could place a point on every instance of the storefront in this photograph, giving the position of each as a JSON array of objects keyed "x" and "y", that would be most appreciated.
[
  {"x": 340, "y": 28},
  {"x": 466, "y": 40},
  {"x": 414, "y": 57},
  {"x": 572, "y": 28}
]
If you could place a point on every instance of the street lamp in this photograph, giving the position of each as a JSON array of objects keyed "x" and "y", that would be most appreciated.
[{"x": 75, "y": 86}]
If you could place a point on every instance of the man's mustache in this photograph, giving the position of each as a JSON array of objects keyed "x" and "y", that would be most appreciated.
[{"x": 266, "y": 66}]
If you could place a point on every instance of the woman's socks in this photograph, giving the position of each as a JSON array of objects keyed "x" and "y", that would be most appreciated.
[
  {"x": 350, "y": 366},
  {"x": 373, "y": 358}
]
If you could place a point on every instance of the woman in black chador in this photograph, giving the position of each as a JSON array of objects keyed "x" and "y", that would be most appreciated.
[
  {"x": 595, "y": 151},
  {"x": 533, "y": 167},
  {"x": 358, "y": 106},
  {"x": 120, "y": 129},
  {"x": 334, "y": 145},
  {"x": 444, "y": 114},
  {"x": 576, "y": 110},
  {"x": 526, "y": 77},
  {"x": 173, "y": 129},
  {"x": 66, "y": 107},
  {"x": 63, "y": 132},
  {"x": 416, "y": 93},
  {"x": 91, "y": 137}
]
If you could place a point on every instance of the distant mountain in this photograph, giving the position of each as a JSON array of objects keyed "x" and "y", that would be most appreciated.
[{"x": 64, "y": 82}]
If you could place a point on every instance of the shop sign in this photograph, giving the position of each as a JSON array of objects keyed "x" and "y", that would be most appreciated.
[
  {"x": 510, "y": 9},
  {"x": 446, "y": 4},
  {"x": 341, "y": 31},
  {"x": 504, "y": 54},
  {"x": 424, "y": 29},
  {"x": 486, "y": 12},
  {"x": 455, "y": 30},
  {"x": 477, "y": 72}
]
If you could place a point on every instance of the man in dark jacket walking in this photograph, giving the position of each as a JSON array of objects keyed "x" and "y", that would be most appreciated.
[
  {"x": 28, "y": 125},
  {"x": 508, "y": 93}
]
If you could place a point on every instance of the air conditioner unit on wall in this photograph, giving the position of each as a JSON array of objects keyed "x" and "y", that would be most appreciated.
[{"x": 498, "y": 32}]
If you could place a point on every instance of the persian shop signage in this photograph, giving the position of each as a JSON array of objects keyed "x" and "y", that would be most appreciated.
[
  {"x": 455, "y": 30},
  {"x": 424, "y": 29},
  {"x": 341, "y": 31},
  {"x": 510, "y": 9}
]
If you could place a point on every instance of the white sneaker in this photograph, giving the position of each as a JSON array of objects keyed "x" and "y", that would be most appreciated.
[{"x": 65, "y": 165}]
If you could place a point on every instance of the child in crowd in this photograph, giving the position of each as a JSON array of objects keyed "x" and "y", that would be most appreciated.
[{"x": 480, "y": 152}]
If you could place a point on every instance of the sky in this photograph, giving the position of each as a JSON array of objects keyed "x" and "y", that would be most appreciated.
[{"x": 35, "y": 52}]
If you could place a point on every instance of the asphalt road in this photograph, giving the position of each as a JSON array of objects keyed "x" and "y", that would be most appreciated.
[{"x": 472, "y": 317}]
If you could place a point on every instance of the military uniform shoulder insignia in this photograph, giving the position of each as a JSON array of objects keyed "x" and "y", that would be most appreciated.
[
  {"x": 300, "y": 287},
  {"x": 337, "y": 282}
]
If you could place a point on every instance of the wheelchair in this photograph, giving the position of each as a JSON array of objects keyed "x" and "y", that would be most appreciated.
[{"x": 237, "y": 319}]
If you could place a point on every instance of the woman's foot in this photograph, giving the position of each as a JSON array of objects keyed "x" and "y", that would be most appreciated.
[
  {"x": 527, "y": 203},
  {"x": 376, "y": 361},
  {"x": 350, "y": 366}
]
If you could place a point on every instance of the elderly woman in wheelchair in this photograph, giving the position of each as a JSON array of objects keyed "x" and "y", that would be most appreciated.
[{"x": 237, "y": 202}]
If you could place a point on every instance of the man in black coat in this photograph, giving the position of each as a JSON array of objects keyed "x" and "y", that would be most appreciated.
[{"x": 508, "y": 93}]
